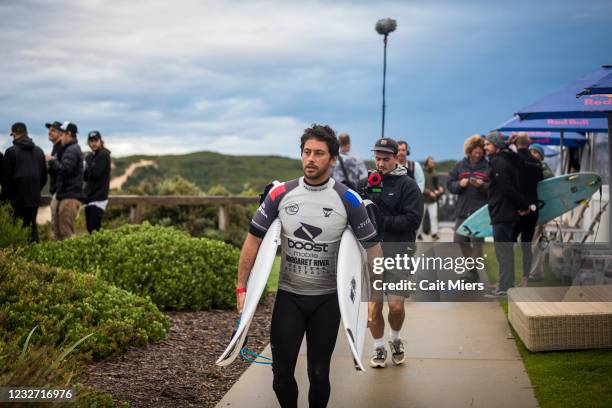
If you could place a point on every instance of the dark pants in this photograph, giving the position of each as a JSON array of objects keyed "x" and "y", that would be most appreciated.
[
  {"x": 471, "y": 247},
  {"x": 294, "y": 315},
  {"x": 526, "y": 229},
  {"x": 28, "y": 216},
  {"x": 93, "y": 216},
  {"x": 503, "y": 235}
]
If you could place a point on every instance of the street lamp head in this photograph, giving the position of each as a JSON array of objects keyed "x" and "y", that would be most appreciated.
[{"x": 386, "y": 26}]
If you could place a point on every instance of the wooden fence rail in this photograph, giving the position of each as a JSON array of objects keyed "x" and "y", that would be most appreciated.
[{"x": 136, "y": 203}]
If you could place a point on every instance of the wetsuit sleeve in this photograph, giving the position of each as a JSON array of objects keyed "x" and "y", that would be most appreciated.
[
  {"x": 267, "y": 212},
  {"x": 357, "y": 217}
]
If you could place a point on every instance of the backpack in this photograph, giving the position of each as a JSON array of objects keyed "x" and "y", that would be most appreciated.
[
  {"x": 410, "y": 168},
  {"x": 346, "y": 181}
]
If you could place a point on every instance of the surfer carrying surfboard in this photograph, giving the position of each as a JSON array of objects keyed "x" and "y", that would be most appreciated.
[
  {"x": 314, "y": 211},
  {"x": 400, "y": 203}
]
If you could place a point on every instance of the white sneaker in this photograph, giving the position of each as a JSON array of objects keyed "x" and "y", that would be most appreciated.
[
  {"x": 397, "y": 351},
  {"x": 379, "y": 358}
]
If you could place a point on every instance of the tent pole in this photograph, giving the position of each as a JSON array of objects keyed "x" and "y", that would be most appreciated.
[{"x": 561, "y": 151}]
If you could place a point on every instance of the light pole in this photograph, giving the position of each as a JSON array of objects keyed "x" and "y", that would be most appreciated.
[{"x": 384, "y": 27}]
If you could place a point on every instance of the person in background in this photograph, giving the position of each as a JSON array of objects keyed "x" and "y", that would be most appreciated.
[
  {"x": 68, "y": 166},
  {"x": 54, "y": 138},
  {"x": 530, "y": 174},
  {"x": 536, "y": 273},
  {"x": 506, "y": 205},
  {"x": 469, "y": 180},
  {"x": 400, "y": 204},
  {"x": 349, "y": 169},
  {"x": 24, "y": 175},
  {"x": 431, "y": 194},
  {"x": 97, "y": 181},
  {"x": 413, "y": 168},
  {"x": 537, "y": 151}
]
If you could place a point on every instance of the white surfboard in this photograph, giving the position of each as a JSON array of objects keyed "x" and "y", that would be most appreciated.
[
  {"x": 353, "y": 278},
  {"x": 258, "y": 279}
]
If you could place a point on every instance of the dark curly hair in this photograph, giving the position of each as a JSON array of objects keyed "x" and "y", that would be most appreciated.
[{"x": 323, "y": 133}]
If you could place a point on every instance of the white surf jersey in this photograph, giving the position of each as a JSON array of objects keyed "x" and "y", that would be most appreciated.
[{"x": 313, "y": 219}]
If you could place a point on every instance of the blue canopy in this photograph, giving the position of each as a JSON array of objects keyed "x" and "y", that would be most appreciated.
[
  {"x": 554, "y": 125},
  {"x": 603, "y": 86},
  {"x": 564, "y": 104}
]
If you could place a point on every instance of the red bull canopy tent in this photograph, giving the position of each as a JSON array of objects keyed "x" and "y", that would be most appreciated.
[{"x": 563, "y": 104}]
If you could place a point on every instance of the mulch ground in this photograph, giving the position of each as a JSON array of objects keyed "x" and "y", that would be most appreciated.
[{"x": 180, "y": 371}]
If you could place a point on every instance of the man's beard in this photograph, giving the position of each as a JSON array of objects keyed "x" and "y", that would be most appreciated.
[{"x": 320, "y": 172}]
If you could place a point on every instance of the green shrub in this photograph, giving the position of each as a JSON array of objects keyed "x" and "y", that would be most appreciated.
[
  {"x": 12, "y": 234},
  {"x": 66, "y": 306},
  {"x": 176, "y": 271},
  {"x": 23, "y": 364}
]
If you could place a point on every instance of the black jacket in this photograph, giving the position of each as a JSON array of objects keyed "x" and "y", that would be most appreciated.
[
  {"x": 97, "y": 175},
  {"x": 400, "y": 204},
  {"x": 57, "y": 147},
  {"x": 470, "y": 198},
  {"x": 530, "y": 174},
  {"x": 24, "y": 173},
  {"x": 69, "y": 170},
  {"x": 505, "y": 198}
]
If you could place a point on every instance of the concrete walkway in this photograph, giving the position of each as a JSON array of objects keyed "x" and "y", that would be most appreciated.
[{"x": 459, "y": 354}]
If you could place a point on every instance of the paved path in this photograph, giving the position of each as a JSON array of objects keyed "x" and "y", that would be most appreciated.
[{"x": 459, "y": 354}]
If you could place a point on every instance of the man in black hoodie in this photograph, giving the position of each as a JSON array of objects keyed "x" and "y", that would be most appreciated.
[
  {"x": 506, "y": 205},
  {"x": 530, "y": 174},
  {"x": 97, "y": 181},
  {"x": 68, "y": 166},
  {"x": 23, "y": 177},
  {"x": 400, "y": 203}
]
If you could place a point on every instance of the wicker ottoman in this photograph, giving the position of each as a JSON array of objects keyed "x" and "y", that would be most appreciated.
[{"x": 562, "y": 318}]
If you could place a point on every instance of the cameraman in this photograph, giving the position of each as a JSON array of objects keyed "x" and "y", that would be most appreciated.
[{"x": 400, "y": 205}]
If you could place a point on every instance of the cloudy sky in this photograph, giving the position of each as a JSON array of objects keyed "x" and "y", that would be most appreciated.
[{"x": 246, "y": 77}]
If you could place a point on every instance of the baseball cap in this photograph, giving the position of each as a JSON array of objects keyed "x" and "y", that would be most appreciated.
[
  {"x": 19, "y": 128},
  {"x": 94, "y": 134},
  {"x": 69, "y": 127},
  {"x": 385, "y": 144},
  {"x": 54, "y": 125}
]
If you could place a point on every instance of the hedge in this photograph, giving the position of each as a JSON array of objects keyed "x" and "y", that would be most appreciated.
[
  {"x": 176, "y": 271},
  {"x": 66, "y": 305}
]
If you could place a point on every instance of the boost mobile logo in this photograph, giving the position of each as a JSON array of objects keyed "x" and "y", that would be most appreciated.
[
  {"x": 308, "y": 246},
  {"x": 307, "y": 232}
]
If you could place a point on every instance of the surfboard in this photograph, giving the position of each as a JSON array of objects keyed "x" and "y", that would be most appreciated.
[
  {"x": 352, "y": 279},
  {"x": 258, "y": 279},
  {"x": 556, "y": 196}
]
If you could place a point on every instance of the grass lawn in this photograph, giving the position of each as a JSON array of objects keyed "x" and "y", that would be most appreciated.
[{"x": 561, "y": 378}]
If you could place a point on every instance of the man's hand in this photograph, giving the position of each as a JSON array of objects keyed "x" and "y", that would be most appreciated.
[
  {"x": 464, "y": 182},
  {"x": 477, "y": 182},
  {"x": 522, "y": 213},
  {"x": 48, "y": 158}
]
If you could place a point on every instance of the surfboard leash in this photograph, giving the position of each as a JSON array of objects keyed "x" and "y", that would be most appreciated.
[{"x": 246, "y": 354}]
